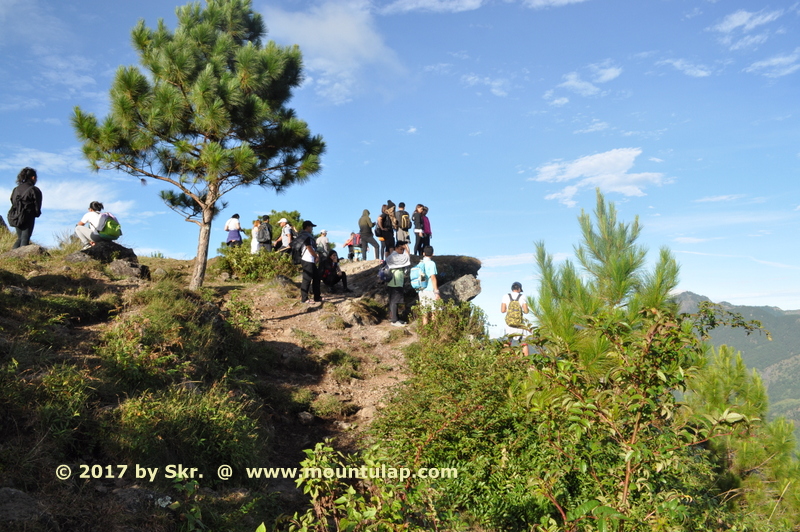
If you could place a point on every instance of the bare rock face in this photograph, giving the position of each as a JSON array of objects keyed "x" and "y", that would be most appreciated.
[{"x": 32, "y": 250}]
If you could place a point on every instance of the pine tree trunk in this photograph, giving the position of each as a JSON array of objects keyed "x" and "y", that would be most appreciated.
[{"x": 199, "y": 273}]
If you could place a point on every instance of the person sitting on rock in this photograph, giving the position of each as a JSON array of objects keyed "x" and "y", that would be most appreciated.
[
  {"x": 88, "y": 229},
  {"x": 332, "y": 273}
]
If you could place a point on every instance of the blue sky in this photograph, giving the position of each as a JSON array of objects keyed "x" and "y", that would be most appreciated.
[{"x": 501, "y": 116}]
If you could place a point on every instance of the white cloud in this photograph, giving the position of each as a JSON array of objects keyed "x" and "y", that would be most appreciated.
[
  {"x": 595, "y": 126},
  {"x": 410, "y": 130},
  {"x": 575, "y": 84},
  {"x": 608, "y": 170},
  {"x": 435, "y": 6},
  {"x": 777, "y": 66},
  {"x": 712, "y": 199},
  {"x": 46, "y": 163},
  {"x": 339, "y": 42},
  {"x": 690, "y": 69},
  {"x": 458, "y": 6},
  {"x": 605, "y": 72},
  {"x": 691, "y": 240},
  {"x": 498, "y": 87},
  {"x": 746, "y": 21},
  {"x": 734, "y": 27},
  {"x": 538, "y": 4}
]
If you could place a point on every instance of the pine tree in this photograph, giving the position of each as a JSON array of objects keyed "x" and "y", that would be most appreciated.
[{"x": 209, "y": 115}]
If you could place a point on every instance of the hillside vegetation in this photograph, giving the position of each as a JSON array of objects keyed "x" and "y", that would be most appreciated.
[
  {"x": 620, "y": 418},
  {"x": 776, "y": 356}
]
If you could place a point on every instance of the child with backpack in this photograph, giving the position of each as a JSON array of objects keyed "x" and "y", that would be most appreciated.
[{"x": 97, "y": 226}]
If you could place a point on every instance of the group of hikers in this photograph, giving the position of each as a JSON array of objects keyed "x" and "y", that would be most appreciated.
[
  {"x": 320, "y": 263},
  {"x": 392, "y": 229}
]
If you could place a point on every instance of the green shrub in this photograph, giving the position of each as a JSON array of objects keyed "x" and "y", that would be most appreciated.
[
  {"x": 264, "y": 266},
  {"x": 197, "y": 428}
]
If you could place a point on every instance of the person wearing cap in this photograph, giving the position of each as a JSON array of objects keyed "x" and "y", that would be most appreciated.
[
  {"x": 309, "y": 260},
  {"x": 264, "y": 235},
  {"x": 516, "y": 334},
  {"x": 322, "y": 244},
  {"x": 287, "y": 233}
]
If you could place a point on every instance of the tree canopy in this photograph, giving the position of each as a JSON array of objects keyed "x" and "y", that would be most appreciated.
[{"x": 209, "y": 114}]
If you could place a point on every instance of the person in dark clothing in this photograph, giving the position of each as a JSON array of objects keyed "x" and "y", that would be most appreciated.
[
  {"x": 387, "y": 229},
  {"x": 331, "y": 273},
  {"x": 309, "y": 261},
  {"x": 264, "y": 236},
  {"x": 419, "y": 229},
  {"x": 26, "y": 206},
  {"x": 365, "y": 231}
]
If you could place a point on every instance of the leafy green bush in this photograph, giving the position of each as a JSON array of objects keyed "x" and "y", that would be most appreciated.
[{"x": 264, "y": 266}]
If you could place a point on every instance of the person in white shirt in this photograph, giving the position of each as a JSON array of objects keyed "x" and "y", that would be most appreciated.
[
  {"x": 234, "y": 230},
  {"x": 309, "y": 261},
  {"x": 88, "y": 230}
]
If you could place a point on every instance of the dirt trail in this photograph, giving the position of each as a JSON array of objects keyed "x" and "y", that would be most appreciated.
[{"x": 302, "y": 335}]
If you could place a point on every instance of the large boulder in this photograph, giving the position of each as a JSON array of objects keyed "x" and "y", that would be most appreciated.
[
  {"x": 105, "y": 252},
  {"x": 465, "y": 288}
]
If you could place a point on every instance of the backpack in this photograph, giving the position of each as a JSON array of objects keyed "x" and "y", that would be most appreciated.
[
  {"x": 405, "y": 221},
  {"x": 298, "y": 245},
  {"x": 14, "y": 216},
  {"x": 109, "y": 227},
  {"x": 264, "y": 234},
  {"x": 419, "y": 281},
  {"x": 514, "y": 313},
  {"x": 385, "y": 274}
]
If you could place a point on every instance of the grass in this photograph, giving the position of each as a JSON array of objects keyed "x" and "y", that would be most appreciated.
[
  {"x": 344, "y": 366},
  {"x": 201, "y": 427},
  {"x": 327, "y": 406},
  {"x": 307, "y": 340}
]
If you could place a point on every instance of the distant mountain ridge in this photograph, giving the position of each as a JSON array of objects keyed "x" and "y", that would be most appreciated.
[{"x": 777, "y": 361}]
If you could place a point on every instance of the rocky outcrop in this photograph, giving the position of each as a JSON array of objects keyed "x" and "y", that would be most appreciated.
[{"x": 122, "y": 261}]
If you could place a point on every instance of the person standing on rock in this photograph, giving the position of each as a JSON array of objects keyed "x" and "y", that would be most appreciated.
[
  {"x": 365, "y": 232},
  {"x": 398, "y": 262},
  {"x": 403, "y": 222},
  {"x": 309, "y": 261},
  {"x": 26, "y": 206},
  {"x": 419, "y": 229},
  {"x": 428, "y": 295}
]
